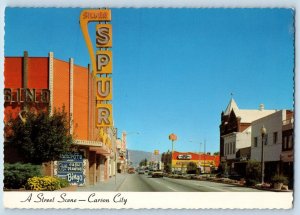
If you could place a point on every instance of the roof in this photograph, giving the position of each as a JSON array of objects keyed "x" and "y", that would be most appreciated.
[
  {"x": 232, "y": 105},
  {"x": 247, "y": 116}
]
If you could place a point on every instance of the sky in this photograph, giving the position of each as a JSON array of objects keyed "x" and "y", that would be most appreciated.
[{"x": 174, "y": 70}]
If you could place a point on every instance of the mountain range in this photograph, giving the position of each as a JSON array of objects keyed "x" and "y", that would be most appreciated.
[{"x": 136, "y": 156}]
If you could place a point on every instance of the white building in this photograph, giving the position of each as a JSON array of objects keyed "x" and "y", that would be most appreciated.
[
  {"x": 235, "y": 132},
  {"x": 235, "y": 141},
  {"x": 272, "y": 141}
]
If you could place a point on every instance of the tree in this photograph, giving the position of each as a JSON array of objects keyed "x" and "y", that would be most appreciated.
[
  {"x": 41, "y": 137},
  {"x": 191, "y": 168},
  {"x": 143, "y": 162},
  {"x": 216, "y": 153}
]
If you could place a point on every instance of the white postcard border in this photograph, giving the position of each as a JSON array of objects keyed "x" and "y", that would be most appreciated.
[{"x": 142, "y": 200}]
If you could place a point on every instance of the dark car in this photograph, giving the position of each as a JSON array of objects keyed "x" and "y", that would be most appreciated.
[
  {"x": 221, "y": 175},
  {"x": 235, "y": 176}
]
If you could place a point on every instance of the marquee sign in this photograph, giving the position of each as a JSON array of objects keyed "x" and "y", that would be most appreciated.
[
  {"x": 87, "y": 16},
  {"x": 29, "y": 95},
  {"x": 101, "y": 61}
]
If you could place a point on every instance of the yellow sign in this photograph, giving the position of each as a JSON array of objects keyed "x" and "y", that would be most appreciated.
[
  {"x": 104, "y": 62},
  {"x": 156, "y": 152},
  {"x": 104, "y": 115},
  {"x": 87, "y": 16},
  {"x": 104, "y": 88},
  {"x": 103, "y": 36}
]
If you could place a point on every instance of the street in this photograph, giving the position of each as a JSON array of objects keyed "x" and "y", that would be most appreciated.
[{"x": 145, "y": 183}]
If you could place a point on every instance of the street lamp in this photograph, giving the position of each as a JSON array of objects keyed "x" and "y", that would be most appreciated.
[
  {"x": 263, "y": 132},
  {"x": 173, "y": 138},
  {"x": 204, "y": 170}
]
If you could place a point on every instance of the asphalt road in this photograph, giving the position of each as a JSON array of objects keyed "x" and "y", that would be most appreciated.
[{"x": 145, "y": 183}]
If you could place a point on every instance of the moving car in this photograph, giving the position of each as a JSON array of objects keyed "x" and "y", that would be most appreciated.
[
  {"x": 141, "y": 171},
  {"x": 131, "y": 170},
  {"x": 157, "y": 174}
]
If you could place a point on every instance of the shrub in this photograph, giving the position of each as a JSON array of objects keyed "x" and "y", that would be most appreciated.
[
  {"x": 46, "y": 183},
  {"x": 16, "y": 175},
  {"x": 251, "y": 182},
  {"x": 63, "y": 182},
  {"x": 279, "y": 179},
  {"x": 253, "y": 173}
]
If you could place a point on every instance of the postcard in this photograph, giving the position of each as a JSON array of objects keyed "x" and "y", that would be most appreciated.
[{"x": 182, "y": 108}]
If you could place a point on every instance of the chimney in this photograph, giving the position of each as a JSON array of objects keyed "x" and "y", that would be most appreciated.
[{"x": 261, "y": 107}]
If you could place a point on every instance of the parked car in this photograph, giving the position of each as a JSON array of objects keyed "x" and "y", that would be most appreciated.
[
  {"x": 221, "y": 175},
  {"x": 131, "y": 170},
  {"x": 157, "y": 174},
  {"x": 235, "y": 176},
  {"x": 141, "y": 171}
]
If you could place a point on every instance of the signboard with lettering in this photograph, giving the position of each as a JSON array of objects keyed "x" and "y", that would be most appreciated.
[
  {"x": 71, "y": 166},
  {"x": 21, "y": 95},
  {"x": 184, "y": 157},
  {"x": 104, "y": 89},
  {"x": 104, "y": 116}
]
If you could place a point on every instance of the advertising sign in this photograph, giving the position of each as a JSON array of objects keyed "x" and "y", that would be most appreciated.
[
  {"x": 104, "y": 88},
  {"x": 104, "y": 62},
  {"x": 184, "y": 157},
  {"x": 103, "y": 36},
  {"x": 94, "y": 15},
  {"x": 123, "y": 146},
  {"x": 71, "y": 166},
  {"x": 104, "y": 115}
]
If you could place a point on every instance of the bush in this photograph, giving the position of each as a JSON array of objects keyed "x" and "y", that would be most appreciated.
[
  {"x": 253, "y": 173},
  {"x": 279, "y": 179},
  {"x": 16, "y": 175},
  {"x": 251, "y": 182},
  {"x": 46, "y": 183},
  {"x": 63, "y": 182}
]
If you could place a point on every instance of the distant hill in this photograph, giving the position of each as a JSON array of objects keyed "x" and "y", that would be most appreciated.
[{"x": 135, "y": 156}]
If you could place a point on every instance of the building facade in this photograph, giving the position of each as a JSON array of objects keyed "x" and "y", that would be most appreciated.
[
  {"x": 235, "y": 133},
  {"x": 278, "y": 143},
  {"x": 206, "y": 162},
  {"x": 47, "y": 83}
]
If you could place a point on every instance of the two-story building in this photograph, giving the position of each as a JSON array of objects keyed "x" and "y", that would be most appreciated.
[
  {"x": 278, "y": 143},
  {"x": 235, "y": 133}
]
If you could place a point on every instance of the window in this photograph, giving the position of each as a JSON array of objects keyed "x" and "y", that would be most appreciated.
[
  {"x": 290, "y": 142},
  {"x": 275, "y": 137},
  {"x": 266, "y": 139},
  {"x": 233, "y": 147},
  {"x": 285, "y": 140},
  {"x": 255, "y": 141}
]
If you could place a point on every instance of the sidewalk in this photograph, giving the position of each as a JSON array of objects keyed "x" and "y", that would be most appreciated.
[{"x": 111, "y": 184}]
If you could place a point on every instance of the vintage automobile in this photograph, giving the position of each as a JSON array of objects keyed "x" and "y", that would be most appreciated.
[
  {"x": 131, "y": 170},
  {"x": 157, "y": 174}
]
